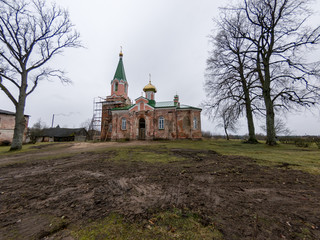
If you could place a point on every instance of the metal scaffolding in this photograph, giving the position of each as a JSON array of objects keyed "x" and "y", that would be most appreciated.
[{"x": 97, "y": 116}]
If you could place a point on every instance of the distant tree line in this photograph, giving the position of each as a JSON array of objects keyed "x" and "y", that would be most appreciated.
[
  {"x": 299, "y": 141},
  {"x": 258, "y": 63}
]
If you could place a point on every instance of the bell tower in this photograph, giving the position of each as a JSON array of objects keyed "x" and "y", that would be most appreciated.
[
  {"x": 118, "y": 99},
  {"x": 119, "y": 84}
]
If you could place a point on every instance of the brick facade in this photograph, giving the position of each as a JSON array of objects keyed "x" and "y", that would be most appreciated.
[
  {"x": 7, "y": 122},
  {"x": 146, "y": 118}
]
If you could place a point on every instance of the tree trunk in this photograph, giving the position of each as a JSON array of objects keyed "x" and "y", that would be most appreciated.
[
  {"x": 19, "y": 127},
  {"x": 271, "y": 134},
  {"x": 226, "y": 132},
  {"x": 266, "y": 92},
  {"x": 251, "y": 130},
  {"x": 20, "y": 122},
  {"x": 252, "y": 134}
]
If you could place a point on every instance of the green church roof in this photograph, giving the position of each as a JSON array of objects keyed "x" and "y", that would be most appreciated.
[
  {"x": 120, "y": 74},
  {"x": 170, "y": 104},
  {"x": 122, "y": 108},
  {"x": 154, "y": 104}
]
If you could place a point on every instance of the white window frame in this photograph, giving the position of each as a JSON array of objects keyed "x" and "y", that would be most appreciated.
[
  {"x": 161, "y": 122},
  {"x": 195, "y": 123},
  {"x": 123, "y": 124}
]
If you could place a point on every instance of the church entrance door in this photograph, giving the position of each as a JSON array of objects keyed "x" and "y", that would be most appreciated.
[{"x": 142, "y": 129}]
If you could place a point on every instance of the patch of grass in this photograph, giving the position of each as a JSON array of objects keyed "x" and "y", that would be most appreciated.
[
  {"x": 290, "y": 156},
  {"x": 36, "y": 148},
  {"x": 304, "y": 159},
  {"x": 4, "y": 150},
  {"x": 56, "y": 224},
  {"x": 165, "y": 225},
  {"x": 307, "y": 160}
]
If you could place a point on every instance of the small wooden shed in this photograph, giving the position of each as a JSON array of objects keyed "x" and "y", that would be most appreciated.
[{"x": 63, "y": 134}]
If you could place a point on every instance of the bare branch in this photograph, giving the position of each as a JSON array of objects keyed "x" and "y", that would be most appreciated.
[{"x": 7, "y": 92}]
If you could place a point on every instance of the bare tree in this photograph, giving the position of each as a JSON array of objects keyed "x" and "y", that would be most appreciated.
[
  {"x": 35, "y": 131},
  {"x": 31, "y": 33},
  {"x": 280, "y": 127},
  {"x": 281, "y": 39},
  {"x": 228, "y": 116},
  {"x": 231, "y": 78},
  {"x": 89, "y": 126},
  {"x": 39, "y": 124}
]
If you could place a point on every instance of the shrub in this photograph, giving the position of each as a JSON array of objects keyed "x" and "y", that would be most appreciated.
[{"x": 301, "y": 143}]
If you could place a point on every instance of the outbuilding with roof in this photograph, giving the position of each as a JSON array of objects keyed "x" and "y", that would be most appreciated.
[{"x": 58, "y": 134}]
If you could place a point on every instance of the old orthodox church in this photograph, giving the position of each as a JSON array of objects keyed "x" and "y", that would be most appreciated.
[{"x": 146, "y": 118}]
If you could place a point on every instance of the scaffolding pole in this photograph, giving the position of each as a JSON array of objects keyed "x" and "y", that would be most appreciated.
[{"x": 96, "y": 117}]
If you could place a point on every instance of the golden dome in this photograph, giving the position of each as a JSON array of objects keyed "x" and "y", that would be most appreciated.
[{"x": 149, "y": 87}]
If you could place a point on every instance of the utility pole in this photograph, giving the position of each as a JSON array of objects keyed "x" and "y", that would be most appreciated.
[{"x": 52, "y": 120}]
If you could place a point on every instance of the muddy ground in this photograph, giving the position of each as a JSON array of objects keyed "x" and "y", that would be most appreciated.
[{"x": 242, "y": 199}]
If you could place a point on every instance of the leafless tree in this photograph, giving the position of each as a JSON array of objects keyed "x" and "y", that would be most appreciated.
[
  {"x": 32, "y": 32},
  {"x": 228, "y": 116},
  {"x": 89, "y": 126},
  {"x": 281, "y": 38},
  {"x": 35, "y": 131},
  {"x": 280, "y": 127},
  {"x": 231, "y": 78}
]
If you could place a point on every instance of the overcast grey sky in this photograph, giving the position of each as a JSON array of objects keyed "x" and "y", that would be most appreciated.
[{"x": 167, "y": 38}]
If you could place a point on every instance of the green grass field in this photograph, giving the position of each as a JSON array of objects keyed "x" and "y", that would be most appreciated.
[
  {"x": 304, "y": 159},
  {"x": 298, "y": 158}
]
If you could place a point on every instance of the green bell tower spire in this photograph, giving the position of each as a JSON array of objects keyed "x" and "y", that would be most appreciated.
[
  {"x": 120, "y": 74},
  {"x": 119, "y": 84}
]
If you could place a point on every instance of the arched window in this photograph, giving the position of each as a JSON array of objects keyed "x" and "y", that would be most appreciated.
[
  {"x": 116, "y": 87},
  {"x": 123, "y": 124},
  {"x": 161, "y": 122},
  {"x": 195, "y": 123}
]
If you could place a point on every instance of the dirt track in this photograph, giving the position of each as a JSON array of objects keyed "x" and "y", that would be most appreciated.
[{"x": 243, "y": 200}]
